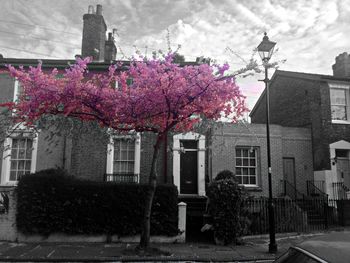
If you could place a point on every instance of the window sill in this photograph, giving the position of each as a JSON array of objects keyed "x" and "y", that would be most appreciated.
[
  {"x": 9, "y": 184},
  {"x": 340, "y": 122},
  {"x": 252, "y": 188}
]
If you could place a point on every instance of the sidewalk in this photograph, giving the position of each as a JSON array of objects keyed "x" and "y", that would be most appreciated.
[{"x": 254, "y": 249}]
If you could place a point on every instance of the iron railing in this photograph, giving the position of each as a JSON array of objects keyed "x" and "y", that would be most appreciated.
[
  {"x": 315, "y": 189},
  {"x": 340, "y": 190},
  {"x": 287, "y": 189},
  {"x": 292, "y": 215},
  {"x": 122, "y": 178}
]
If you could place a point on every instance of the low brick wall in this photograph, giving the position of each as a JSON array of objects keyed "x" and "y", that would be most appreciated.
[{"x": 9, "y": 232}]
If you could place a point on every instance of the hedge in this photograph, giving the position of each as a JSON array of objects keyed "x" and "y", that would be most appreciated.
[{"x": 51, "y": 201}]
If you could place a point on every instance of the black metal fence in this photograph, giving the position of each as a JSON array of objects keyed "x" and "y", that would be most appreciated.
[
  {"x": 121, "y": 178},
  {"x": 340, "y": 190},
  {"x": 293, "y": 215}
]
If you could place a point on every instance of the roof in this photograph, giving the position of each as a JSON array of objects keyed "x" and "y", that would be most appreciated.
[
  {"x": 64, "y": 63},
  {"x": 52, "y": 63},
  {"x": 299, "y": 75},
  {"x": 333, "y": 247}
]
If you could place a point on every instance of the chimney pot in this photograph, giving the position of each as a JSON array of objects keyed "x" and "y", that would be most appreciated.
[
  {"x": 99, "y": 10},
  {"x": 110, "y": 36},
  {"x": 91, "y": 10}
]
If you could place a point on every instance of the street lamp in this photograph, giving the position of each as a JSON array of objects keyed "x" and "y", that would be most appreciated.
[{"x": 265, "y": 50}]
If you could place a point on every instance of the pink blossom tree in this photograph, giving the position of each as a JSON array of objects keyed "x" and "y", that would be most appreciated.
[{"x": 162, "y": 97}]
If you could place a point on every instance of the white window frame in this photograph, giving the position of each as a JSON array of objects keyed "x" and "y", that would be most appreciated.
[
  {"x": 347, "y": 99},
  {"x": 6, "y": 157},
  {"x": 257, "y": 165},
  {"x": 110, "y": 153}
]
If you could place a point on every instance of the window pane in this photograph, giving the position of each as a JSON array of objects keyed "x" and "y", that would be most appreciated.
[
  {"x": 29, "y": 153},
  {"x": 21, "y": 165},
  {"x": 338, "y": 96},
  {"x": 21, "y": 153},
  {"x": 252, "y": 153},
  {"x": 14, "y": 153},
  {"x": 245, "y": 180},
  {"x": 246, "y": 165},
  {"x": 252, "y": 180},
  {"x": 245, "y": 162},
  {"x": 124, "y": 155},
  {"x": 238, "y": 152},
  {"x": 131, "y": 167},
  {"x": 252, "y": 171},
  {"x": 14, "y": 165},
  {"x": 339, "y": 113},
  {"x": 22, "y": 143},
  {"x": 13, "y": 176},
  {"x": 116, "y": 167},
  {"x": 28, "y": 165},
  {"x": 131, "y": 155},
  {"x": 14, "y": 143},
  {"x": 245, "y": 152},
  {"x": 21, "y": 157},
  {"x": 29, "y": 144}
]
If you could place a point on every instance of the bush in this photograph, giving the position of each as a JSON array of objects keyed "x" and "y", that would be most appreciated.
[
  {"x": 51, "y": 201},
  {"x": 226, "y": 206},
  {"x": 225, "y": 174}
]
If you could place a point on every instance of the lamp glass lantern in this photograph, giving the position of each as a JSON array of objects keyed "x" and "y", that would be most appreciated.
[{"x": 266, "y": 48}]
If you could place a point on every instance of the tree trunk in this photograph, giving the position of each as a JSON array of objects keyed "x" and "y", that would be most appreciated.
[{"x": 152, "y": 182}]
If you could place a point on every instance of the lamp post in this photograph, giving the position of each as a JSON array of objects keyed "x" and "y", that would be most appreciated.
[{"x": 265, "y": 50}]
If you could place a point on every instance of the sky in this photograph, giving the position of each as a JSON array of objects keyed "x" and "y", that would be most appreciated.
[{"x": 309, "y": 33}]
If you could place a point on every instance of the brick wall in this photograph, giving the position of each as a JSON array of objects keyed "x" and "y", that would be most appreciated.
[
  {"x": 7, "y": 88},
  {"x": 147, "y": 142},
  {"x": 285, "y": 142},
  {"x": 89, "y": 157},
  {"x": 302, "y": 102},
  {"x": 50, "y": 153}
]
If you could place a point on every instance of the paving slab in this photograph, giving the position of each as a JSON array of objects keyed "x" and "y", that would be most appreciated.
[{"x": 254, "y": 249}]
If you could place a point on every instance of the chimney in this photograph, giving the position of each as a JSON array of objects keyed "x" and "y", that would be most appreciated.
[
  {"x": 94, "y": 34},
  {"x": 341, "y": 68},
  {"x": 110, "y": 49}
]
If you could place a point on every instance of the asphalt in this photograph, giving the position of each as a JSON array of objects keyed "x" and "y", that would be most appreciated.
[{"x": 254, "y": 250}]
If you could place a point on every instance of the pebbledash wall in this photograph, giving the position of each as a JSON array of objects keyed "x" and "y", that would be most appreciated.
[{"x": 286, "y": 142}]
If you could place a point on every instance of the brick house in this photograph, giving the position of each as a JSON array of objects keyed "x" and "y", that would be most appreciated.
[
  {"x": 189, "y": 161},
  {"x": 320, "y": 103},
  {"x": 245, "y": 153}
]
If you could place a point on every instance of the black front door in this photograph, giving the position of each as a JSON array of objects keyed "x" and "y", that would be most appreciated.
[{"x": 188, "y": 167}]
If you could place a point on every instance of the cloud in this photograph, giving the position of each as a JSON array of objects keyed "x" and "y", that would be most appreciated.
[{"x": 309, "y": 34}]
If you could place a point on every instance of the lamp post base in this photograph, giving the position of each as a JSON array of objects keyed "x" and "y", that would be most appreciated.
[{"x": 272, "y": 248}]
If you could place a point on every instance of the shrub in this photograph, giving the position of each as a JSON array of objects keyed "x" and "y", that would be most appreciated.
[
  {"x": 225, "y": 174},
  {"x": 226, "y": 206},
  {"x": 51, "y": 201}
]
